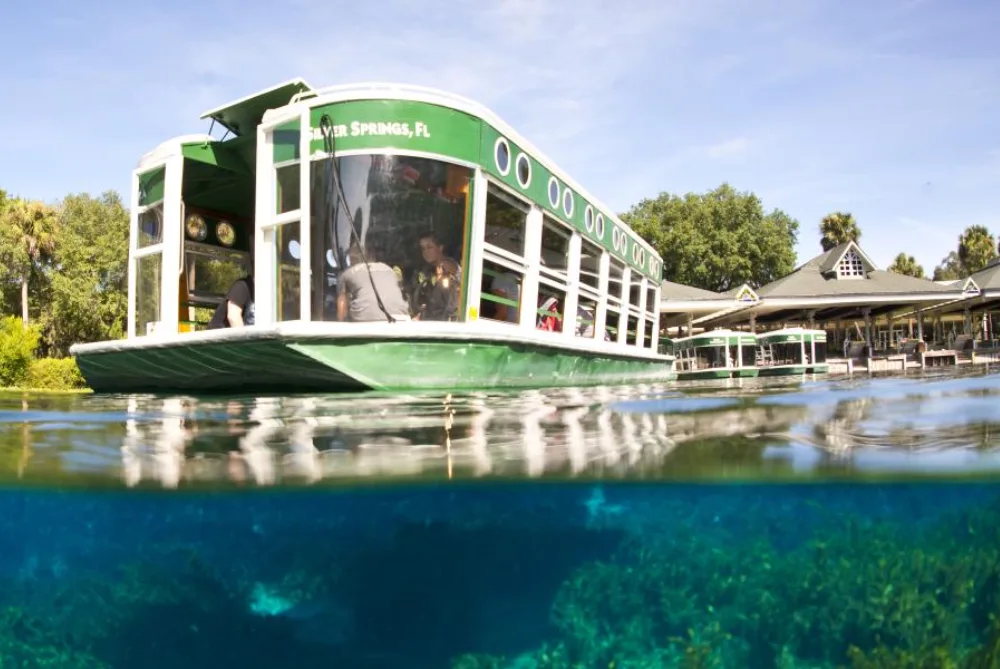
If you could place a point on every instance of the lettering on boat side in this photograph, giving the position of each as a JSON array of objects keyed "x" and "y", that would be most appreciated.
[{"x": 377, "y": 129}]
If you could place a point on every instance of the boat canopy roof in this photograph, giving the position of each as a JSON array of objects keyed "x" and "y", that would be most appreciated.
[
  {"x": 715, "y": 338},
  {"x": 244, "y": 115}
]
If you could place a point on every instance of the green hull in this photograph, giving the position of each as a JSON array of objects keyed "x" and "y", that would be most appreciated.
[
  {"x": 704, "y": 374},
  {"x": 746, "y": 372},
  {"x": 820, "y": 369},
  {"x": 783, "y": 370},
  {"x": 351, "y": 364}
]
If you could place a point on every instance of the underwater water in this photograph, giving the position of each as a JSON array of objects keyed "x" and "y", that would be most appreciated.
[{"x": 794, "y": 523}]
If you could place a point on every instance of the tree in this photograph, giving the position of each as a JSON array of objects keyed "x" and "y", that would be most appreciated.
[
  {"x": 89, "y": 273},
  {"x": 838, "y": 228},
  {"x": 717, "y": 240},
  {"x": 950, "y": 268},
  {"x": 976, "y": 248},
  {"x": 906, "y": 265},
  {"x": 27, "y": 237}
]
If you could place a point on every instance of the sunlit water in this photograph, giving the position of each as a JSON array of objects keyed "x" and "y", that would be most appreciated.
[{"x": 783, "y": 523}]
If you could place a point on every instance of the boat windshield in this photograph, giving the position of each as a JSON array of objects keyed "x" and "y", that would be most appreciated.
[
  {"x": 749, "y": 352},
  {"x": 820, "y": 351},
  {"x": 409, "y": 218},
  {"x": 787, "y": 353}
]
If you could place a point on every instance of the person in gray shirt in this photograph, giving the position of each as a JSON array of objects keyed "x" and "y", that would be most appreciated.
[{"x": 355, "y": 297}]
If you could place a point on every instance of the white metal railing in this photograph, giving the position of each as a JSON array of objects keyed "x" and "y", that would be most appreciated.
[{"x": 379, "y": 86}]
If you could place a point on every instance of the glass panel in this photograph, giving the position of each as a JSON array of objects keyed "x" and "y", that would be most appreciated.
[
  {"x": 288, "y": 272},
  {"x": 409, "y": 220},
  {"x": 787, "y": 354},
  {"x": 590, "y": 265},
  {"x": 211, "y": 271},
  {"x": 647, "y": 340},
  {"x": 150, "y": 226},
  {"x": 615, "y": 280},
  {"x": 631, "y": 336},
  {"x": 287, "y": 197},
  {"x": 149, "y": 273},
  {"x": 506, "y": 220},
  {"x": 555, "y": 248},
  {"x": 586, "y": 312},
  {"x": 749, "y": 355},
  {"x": 820, "y": 351},
  {"x": 551, "y": 301},
  {"x": 500, "y": 293},
  {"x": 651, "y": 307},
  {"x": 635, "y": 291},
  {"x": 611, "y": 324}
]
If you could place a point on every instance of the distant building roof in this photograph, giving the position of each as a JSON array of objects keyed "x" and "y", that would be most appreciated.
[
  {"x": 845, "y": 271},
  {"x": 678, "y": 291}
]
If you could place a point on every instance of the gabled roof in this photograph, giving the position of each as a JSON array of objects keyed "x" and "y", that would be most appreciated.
[
  {"x": 988, "y": 278},
  {"x": 818, "y": 278},
  {"x": 743, "y": 293}
]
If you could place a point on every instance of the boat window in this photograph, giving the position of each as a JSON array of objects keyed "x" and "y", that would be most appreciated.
[
  {"x": 288, "y": 272},
  {"x": 150, "y": 226},
  {"x": 506, "y": 220},
  {"x": 749, "y": 352},
  {"x": 635, "y": 290},
  {"x": 615, "y": 273},
  {"x": 555, "y": 248},
  {"x": 586, "y": 315},
  {"x": 590, "y": 264},
  {"x": 612, "y": 322},
  {"x": 149, "y": 274},
  {"x": 504, "y": 265},
  {"x": 631, "y": 336},
  {"x": 787, "y": 353},
  {"x": 647, "y": 339},
  {"x": 820, "y": 351},
  {"x": 288, "y": 179},
  {"x": 405, "y": 216}
]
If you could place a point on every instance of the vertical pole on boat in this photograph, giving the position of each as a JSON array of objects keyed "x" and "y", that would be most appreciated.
[
  {"x": 173, "y": 229},
  {"x": 133, "y": 242},
  {"x": 305, "y": 230},
  {"x": 640, "y": 323},
  {"x": 572, "y": 295},
  {"x": 623, "y": 314},
  {"x": 601, "y": 317},
  {"x": 449, "y": 415}
]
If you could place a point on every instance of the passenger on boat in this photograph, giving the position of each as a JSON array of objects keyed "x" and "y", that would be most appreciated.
[
  {"x": 435, "y": 293},
  {"x": 237, "y": 309},
  {"x": 507, "y": 286},
  {"x": 356, "y": 298}
]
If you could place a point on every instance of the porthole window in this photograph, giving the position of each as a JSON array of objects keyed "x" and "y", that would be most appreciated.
[
  {"x": 599, "y": 231},
  {"x": 554, "y": 192},
  {"x": 588, "y": 218},
  {"x": 568, "y": 203},
  {"x": 501, "y": 154},
  {"x": 523, "y": 170}
]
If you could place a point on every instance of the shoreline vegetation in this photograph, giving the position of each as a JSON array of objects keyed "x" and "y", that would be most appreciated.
[{"x": 64, "y": 266}]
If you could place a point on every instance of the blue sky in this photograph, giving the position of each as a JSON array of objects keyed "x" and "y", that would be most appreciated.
[{"x": 887, "y": 109}]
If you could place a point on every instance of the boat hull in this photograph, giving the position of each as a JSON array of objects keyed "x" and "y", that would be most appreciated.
[
  {"x": 722, "y": 373},
  {"x": 782, "y": 370},
  {"x": 356, "y": 363}
]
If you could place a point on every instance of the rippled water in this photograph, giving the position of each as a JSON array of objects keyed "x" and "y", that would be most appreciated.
[{"x": 645, "y": 526}]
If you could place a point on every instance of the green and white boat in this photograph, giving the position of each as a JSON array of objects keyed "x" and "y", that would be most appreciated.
[
  {"x": 717, "y": 354},
  {"x": 547, "y": 286},
  {"x": 792, "y": 351}
]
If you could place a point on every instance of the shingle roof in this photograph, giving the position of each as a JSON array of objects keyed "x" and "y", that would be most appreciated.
[
  {"x": 988, "y": 278},
  {"x": 678, "y": 291},
  {"x": 818, "y": 278}
]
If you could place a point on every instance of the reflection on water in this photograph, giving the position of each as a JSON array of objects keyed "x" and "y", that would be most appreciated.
[
  {"x": 740, "y": 428},
  {"x": 534, "y": 547}
]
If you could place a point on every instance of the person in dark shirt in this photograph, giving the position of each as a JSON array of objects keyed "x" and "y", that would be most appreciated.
[{"x": 237, "y": 309}]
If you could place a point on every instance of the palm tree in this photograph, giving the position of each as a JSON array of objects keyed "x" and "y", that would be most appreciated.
[
  {"x": 838, "y": 228},
  {"x": 28, "y": 231},
  {"x": 906, "y": 265}
]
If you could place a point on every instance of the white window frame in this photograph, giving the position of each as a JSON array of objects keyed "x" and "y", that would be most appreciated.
[{"x": 528, "y": 293}]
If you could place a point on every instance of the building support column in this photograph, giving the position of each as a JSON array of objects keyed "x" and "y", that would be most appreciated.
[
  {"x": 867, "y": 313},
  {"x": 753, "y": 323}
]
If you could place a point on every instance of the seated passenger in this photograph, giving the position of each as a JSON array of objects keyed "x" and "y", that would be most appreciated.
[
  {"x": 237, "y": 309},
  {"x": 435, "y": 294},
  {"x": 356, "y": 297}
]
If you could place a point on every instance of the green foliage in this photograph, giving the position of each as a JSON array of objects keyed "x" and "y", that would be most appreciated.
[
  {"x": 17, "y": 350},
  {"x": 976, "y": 248},
  {"x": 950, "y": 268},
  {"x": 907, "y": 265},
  {"x": 838, "y": 228},
  {"x": 54, "y": 374},
  {"x": 717, "y": 240}
]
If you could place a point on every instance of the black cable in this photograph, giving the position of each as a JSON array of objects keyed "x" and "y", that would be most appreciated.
[{"x": 329, "y": 144}]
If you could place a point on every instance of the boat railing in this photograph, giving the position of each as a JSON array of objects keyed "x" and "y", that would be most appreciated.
[{"x": 382, "y": 87}]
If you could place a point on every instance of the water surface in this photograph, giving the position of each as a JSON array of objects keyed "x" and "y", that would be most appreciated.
[{"x": 754, "y": 523}]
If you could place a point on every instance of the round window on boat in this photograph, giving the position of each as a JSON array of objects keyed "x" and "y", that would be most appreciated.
[
  {"x": 554, "y": 192},
  {"x": 331, "y": 259},
  {"x": 588, "y": 218},
  {"x": 568, "y": 203},
  {"x": 599, "y": 227},
  {"x": 225, "y": 233},
  {"x": 196, "y": 228},
  {"x": 294, "y": 249},
  {"x": 501, "y": 154},
  {"x": 523, "y": 170}
]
